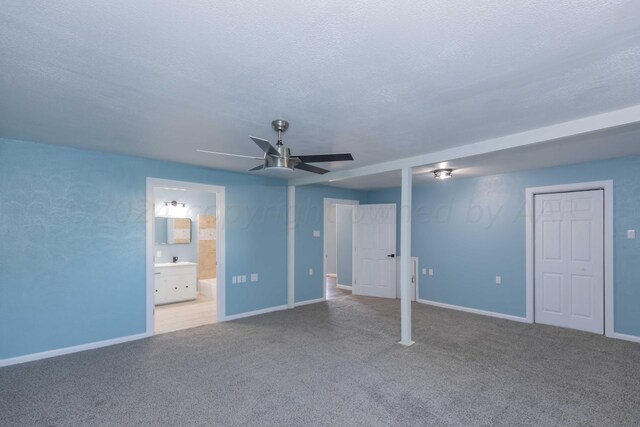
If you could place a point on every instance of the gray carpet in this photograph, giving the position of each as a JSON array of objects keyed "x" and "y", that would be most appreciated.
[{"x": 337, "y": 363}]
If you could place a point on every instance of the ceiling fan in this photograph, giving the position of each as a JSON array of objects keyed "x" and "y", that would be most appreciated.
[{"x": 280, "y": 158}]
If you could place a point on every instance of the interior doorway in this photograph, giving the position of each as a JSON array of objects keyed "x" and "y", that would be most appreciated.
[
  {"x": 338, "y": 247},
  {"x": 185, "y": 255}
]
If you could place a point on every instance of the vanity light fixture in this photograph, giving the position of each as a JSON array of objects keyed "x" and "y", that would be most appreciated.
[
  {"x": 442, "y": 173},
  {"x": 174, "y": 204}
]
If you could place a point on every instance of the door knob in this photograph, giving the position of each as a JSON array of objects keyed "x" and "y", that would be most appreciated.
[{"x": 391, "y": 255}]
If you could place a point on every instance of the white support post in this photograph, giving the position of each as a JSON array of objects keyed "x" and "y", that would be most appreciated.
[
  {"x": 291, "y": 245},
  {"x": 405, "y": 257}
]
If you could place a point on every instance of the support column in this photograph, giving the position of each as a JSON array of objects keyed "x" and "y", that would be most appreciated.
[
  {"x": 291, "y": 245},
  {"x": 405, "y": 257}
]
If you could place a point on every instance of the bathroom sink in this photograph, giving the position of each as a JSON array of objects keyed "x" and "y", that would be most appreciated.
[{"x": 174, "y": 264}]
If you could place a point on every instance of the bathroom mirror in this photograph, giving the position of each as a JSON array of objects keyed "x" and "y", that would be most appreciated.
[{"x": 171, "y": 231}]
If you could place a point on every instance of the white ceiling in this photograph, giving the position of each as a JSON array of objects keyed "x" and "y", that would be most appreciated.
[{"x": 383, "y": 80}]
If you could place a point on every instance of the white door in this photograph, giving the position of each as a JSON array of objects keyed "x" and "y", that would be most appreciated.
[
  {"x": 414, "y": 278},
  {"x": 374, "y": 250},
  {"x": 569, "y": 260}
]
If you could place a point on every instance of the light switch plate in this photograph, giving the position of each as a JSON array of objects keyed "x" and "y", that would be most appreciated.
[
  {"x": 244, "y": 278},
  {"x": 424, "y": 271},
  {"x": 311, "y": 272},
  {"x": 316, "y": 233},
  {"x": 254, "y": 277},
  {"x": 234, "y": 279},
  {"x": 631, "y": 234},
  {"x": 431, "y": 272},
  {"x": 498, "y": 280}
]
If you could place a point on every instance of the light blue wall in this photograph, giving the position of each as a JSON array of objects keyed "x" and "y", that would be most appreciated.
[
  {"x": 309, "y": 249},
  {"x": 72, "y": 243},
  {"x": 471, "y": 230},
  {"x": 344, "y": 226},
  {"x": 197, "y": 203}
]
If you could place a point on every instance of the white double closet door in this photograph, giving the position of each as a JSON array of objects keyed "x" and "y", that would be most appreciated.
[{"x": 569, "y": 260}]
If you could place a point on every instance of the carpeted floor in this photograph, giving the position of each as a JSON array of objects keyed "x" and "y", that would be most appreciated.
[{"x": 337, "y": 363}]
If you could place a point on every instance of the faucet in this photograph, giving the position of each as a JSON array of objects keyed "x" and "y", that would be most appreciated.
[{"x": 175, "y": 259}]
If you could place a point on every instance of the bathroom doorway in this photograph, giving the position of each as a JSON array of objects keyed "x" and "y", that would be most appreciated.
[
  {"x": 338, "y": 247},
  {"x": 185, "y": 255}
]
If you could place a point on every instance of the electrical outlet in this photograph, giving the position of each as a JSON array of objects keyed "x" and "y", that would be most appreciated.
[
  {"x": 254, "y": 277},
  {"x": 159, "y": 254},
  {"x": 498, "y": 280},
  {"x": 311, "y": 272},
  {"x": 631, "y": 234},
  {"x": 316, "y": 233},
  {"x": 431, "y": 272},
  {"x": 424, "y": 271}
]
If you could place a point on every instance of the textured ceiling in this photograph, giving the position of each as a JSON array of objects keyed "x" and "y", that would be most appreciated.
[{"x": 384, "y": 80}]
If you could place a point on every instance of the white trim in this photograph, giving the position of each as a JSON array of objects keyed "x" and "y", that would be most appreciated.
[
  {"x": 291, "y": 246},
  {"x": 607, "y": 186},
  {"x": 310, "y": 301},
  {"x": 256, "y": 312},
  {"x": 345, "y": 287},
  {"x": 335, "y": 276},
  {"x": 625, "y": 337},
  {"x": 596, "y": 123},
  {"x": 474, "y": 311},
  {"x": 68, "y": 350},
  {"x": 219, "y": 191},
  {"x": 417, "y": 261},
  {"x": 326, "y": 204}
]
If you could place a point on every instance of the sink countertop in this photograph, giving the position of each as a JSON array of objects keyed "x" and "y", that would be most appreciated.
[{"x": 174, "y": 264}]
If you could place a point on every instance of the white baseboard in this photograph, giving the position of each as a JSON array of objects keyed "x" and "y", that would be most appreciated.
[
  {"x": 345, "y": 287},
  {"x": 310, "y": 301},
  {"x": 474, "y": 310},
  {"x": 255, "y": 313},
  {"x": 68, "y": 350},
  {"x": 626, "y": 337}
]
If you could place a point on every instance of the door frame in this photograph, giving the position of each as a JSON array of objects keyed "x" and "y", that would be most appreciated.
[
  {"x": 219, "y": 191},
  {"x": 326, "y": 204},
  {"x": 607, "y": 187}
]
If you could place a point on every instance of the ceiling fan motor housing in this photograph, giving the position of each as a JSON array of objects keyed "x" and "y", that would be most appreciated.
[{"x": 282, "y": 161}]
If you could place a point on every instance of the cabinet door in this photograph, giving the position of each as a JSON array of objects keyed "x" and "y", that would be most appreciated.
[
  {"x": 190, "y": 289},
  {"x": 173, "y": 289},
  {"x": 160, "y": 293}
]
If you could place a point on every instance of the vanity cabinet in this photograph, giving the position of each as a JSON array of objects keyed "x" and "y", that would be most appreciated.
[{"x": 175, "y": 282}]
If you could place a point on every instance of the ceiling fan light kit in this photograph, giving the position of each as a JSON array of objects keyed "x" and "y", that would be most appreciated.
[
  {"x": 442, "y": 173},
  {"x": 279, "y": 158}
]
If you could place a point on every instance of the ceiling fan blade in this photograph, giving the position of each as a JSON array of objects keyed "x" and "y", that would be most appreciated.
[
  {"x": 229, "y": 154},
  {"x": 311, "y": 168},
  {"x": 265, "y": 146},
  {"x": 314, "y": 158},
  {"x": 257, "y": 168}
]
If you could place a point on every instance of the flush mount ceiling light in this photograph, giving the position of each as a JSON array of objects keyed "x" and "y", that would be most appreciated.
[
  {"x": 442, "y": 173},
  {"x": 174, "y": 204}
]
